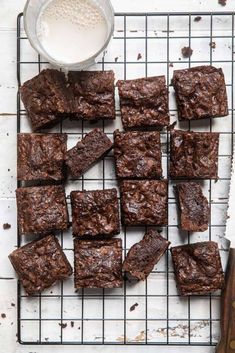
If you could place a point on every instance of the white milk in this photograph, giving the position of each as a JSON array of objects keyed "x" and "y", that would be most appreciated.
[{"x": 71, "y": 31}]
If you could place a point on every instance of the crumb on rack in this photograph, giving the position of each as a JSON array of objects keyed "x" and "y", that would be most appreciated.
[
  {"x": 6, "y": 226},
  {"x": 186, "y": 52}
]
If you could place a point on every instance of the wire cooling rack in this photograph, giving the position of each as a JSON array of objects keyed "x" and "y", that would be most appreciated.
[{"x": 149, "y": 312}]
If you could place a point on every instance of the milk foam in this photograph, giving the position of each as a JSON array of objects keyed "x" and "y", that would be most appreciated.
[{"x": 72, "y": 30}]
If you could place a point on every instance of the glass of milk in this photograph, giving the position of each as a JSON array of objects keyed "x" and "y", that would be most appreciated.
[{"x": 70, "y": 34}]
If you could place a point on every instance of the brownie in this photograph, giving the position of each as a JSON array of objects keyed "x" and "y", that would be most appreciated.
[
  {"x": 144, "y": 202},
  {"x": 200, "y": 93},
  {"x": 93, "y": 93},
  {"x": 46, "y": 98},
  {"x": 95, "y": 212},
  {"x": 41, "y": 209},
  {"x": 194, "y": 154},
  {"x": 137, "y": 154},
  {"x": 40, "y": 264},
  {"x": 142, "y": 256},
  {"x": 87, "y": 151},
  {"x": 144, "y": 102},
  {"x": 197, "y": 268},
  {"x": 41, "y": 156},
  {"x": 98, "y": 263},
  {"x": 193, "y": 206}
]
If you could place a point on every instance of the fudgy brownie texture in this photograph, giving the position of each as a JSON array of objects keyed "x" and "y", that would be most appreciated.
[
  {"x": 137, "y": 154},
  {"x": 95, "y": 212},
  {"x": 98, "y": 263},
  {"x": 40, "y": 264},
  {"x": 93, "y": 93},
  {"x": 41, "y": 156},
  {"x": 41, "y": 209},
  {"x": 87, "y": 151},
  {"x": 142, "y": 256},
  {"x": 144, "y": 202},
  {"x": 194, "y": 211},
  {"x": 200, "y": 92},
  {"x": 197, "y": 268},
  {"x": 46, "y": 98},
  {"x": 194, "y": 154},
  {"x": 144, "y": 102}
]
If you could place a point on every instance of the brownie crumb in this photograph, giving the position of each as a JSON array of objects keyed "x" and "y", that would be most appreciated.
[
  {"x": 212, "y": 45},
  {"x": 6, "y": 226},
  {"x": 197, "y": 19},
  {"x": 3, "y": 315},
  {"x": 116, "y": 59},
  {"x": 186, "y": 52},
  {"x": 222, "y": 2},
  {"x": 13, "y": 304},
  {"x": 72, "y": 323},
  {"x": 172, "y": 126},
  {"x": 63, "y": 325},
  {"x": 139, "y": 56},
  {"x": 132, "y": 308},
  {"x": 46, "y": 339},
  {"x": 171, "y": 65}
]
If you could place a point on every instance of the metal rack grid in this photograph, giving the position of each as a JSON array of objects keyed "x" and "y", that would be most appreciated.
[{"x": 144, "y": 44}]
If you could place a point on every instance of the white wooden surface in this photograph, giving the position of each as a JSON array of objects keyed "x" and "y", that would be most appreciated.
[{"x": 8, "y": 87}]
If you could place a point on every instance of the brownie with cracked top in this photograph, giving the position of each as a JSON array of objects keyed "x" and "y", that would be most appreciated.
[
  {"x": 87, "y": 151},
  {"x": 144, "y": 102},
  {"x": 194, "y": 211},
  {"x": 95, "y": 212},
  {"x": 40, "y": 264},
  {"x": 194, "y": 154},
  {"x": 41, "y": 209},
  {"x": 93, "y": 93},
  {"x": 98, "y": 263},
  {"x": 197, "y": 268},
  {"x": 143, "y": 256},
  {"x": 41, "y": 156},
  {"x": 46, "y": 98},
  {"x": 200, "y": 92},
  {"x": 144, "y": 202},
  {"x": 137, "y": 154}
]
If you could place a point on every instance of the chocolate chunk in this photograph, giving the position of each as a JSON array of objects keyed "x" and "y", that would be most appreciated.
[
  {"x": 87, "y": 151},
  {"x": 46, "y": 98},
  {"x": 41, "y": 156},
  {"x": 98, "y": 263},
  {"x": 40, "y": 264},
  {"x": 143, "y": 256},
  {"x": 193, "y": 207},
  {"x": 200, "y": 93},
  {"x": 197, "y": 267},
  {"x": 95, "y": 212},
  {"x": 194, "y": 154},
  {"x": 137, "y": 154},
  {"x": 93, "y": 93},
  {"x": 144, "y": 202},
  {"x": 41, "y": 209},
  {"x": 186, "y": 52},
  {"x": 144, "y": 102}
]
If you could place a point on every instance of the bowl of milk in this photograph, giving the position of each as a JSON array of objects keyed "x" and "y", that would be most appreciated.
[{"x": 71, "y": 34}]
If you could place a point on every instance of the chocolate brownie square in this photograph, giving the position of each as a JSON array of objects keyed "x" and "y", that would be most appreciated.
[
  {"x": 40, "y": 264},
  {"x": 98, "y": 263},
  {"x": 198, "y": 268},
  {"x": 93, "y": 94},
  {"x": 87, "y": 151},
  {"x": 143, "y": 256},
  {"x": 95, "y": 212},
  {"x": 41, "y": 156},
  {"x": 194, "y": 154},
  {"x": 46, "y": 98},
  {"x": 144, "y": 202},
  {"x": 137, "y": 154},
  {"x": 200, "y": 92},
  {"x": 193, "y": 206},
  {"x": 41, "y": 209},
  {"x": 144, "y": 102}
]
